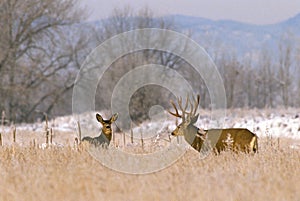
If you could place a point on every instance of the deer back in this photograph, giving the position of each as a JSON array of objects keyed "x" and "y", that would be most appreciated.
[{"x": 237, "y": 139}]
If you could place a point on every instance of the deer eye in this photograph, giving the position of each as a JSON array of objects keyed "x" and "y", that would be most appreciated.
[{"x": 107, "y": 126}]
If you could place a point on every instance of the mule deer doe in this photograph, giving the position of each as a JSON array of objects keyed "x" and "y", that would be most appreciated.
[
  {"x": 237, "y": 139},
  {"x": 105, "y": 137}
]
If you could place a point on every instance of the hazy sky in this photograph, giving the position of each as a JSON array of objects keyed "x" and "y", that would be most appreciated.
[{"x": 251, "y": 11}]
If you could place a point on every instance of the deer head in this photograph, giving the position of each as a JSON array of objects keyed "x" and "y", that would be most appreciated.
[
  {"x": 186, "y": 128},
  {"x": 106, "y": 124}
]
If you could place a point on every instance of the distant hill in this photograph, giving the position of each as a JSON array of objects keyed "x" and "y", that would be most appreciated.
[
  {"x": 239, "y": 38},
  {"x": 242, "y": 37}
]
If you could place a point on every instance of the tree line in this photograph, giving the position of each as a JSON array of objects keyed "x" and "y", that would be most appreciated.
[{"x": 44, "y": 43}]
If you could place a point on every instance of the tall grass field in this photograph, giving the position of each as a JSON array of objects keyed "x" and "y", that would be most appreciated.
[{"x": 66, "y": 171}]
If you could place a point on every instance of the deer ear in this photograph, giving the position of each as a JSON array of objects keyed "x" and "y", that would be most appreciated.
[
  {"x": 99, "y": 118},
  {"x": 194, "y": 119},
  {"x": 114, "y": 118}
]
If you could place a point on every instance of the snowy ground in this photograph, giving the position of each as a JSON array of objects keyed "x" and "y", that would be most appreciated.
[{"x": 265, "y": 123}]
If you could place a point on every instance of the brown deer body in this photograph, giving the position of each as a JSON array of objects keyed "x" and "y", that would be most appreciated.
[
  {"x": 236, "y": 139},
  {"x": 105, "y": 137}
]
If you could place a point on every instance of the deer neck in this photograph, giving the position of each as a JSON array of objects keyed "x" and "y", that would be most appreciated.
[
  {"x": 108, "y": 136},
  {"x": 190, "y": 134}
]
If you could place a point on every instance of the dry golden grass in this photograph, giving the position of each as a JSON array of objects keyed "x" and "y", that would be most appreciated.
[{"x": 29, "y": 173}]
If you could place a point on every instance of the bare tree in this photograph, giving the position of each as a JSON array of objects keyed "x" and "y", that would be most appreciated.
[
  {"x": 267, "y": 76},
  {"x": 285, "y": 65},
  {"x": 297, "y": 73},
  {"x": 123, "y": 20},
  {"x": 230, "y": 70},
  {"x": 36, "y": 53}
]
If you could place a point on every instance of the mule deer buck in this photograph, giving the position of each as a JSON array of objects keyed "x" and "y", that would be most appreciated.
[
  {"x": 105, "y": 137},
  {"x": 237, "y": 139}
]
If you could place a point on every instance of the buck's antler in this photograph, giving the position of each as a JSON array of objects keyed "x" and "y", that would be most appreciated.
[
  {"x": 196, "y": 101},
  {"x": 183, "y": 109}
]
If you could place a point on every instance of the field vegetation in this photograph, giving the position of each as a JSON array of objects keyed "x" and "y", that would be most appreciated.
[{"x": 70, "y": 173}]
